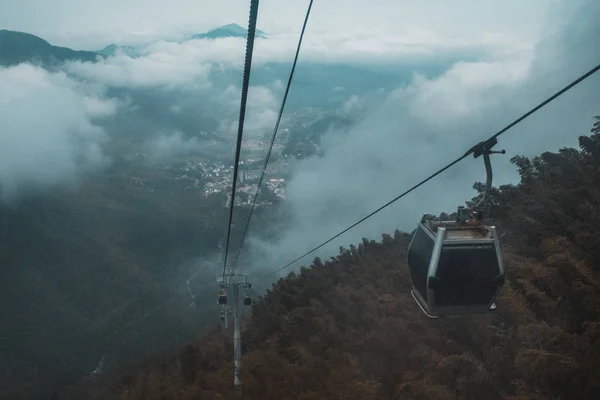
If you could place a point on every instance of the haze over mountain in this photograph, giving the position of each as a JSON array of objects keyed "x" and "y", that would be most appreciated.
[
  {"x": 225, "y": 31},
  {"x": 112, "y": 49},
  {"x": 229, "y": 30},
  {"x": 19, "y": 47}
]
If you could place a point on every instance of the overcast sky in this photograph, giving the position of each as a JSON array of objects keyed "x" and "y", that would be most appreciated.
[{"x": 93, "y": 23}]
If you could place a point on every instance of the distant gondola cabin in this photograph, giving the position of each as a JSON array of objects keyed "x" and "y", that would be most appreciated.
[
  {"x": 222, "y": 297},
  {"x": 455, "y": 267}
]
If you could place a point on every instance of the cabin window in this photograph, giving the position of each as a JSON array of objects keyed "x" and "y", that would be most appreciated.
[
  {"x": 466, "y": 276},
  {"x": 464, "y": 262},
  {"x": 419, "y": 257}
]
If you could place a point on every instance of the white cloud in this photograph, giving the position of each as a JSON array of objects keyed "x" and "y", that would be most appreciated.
[
  {"x": 261, "y": 109},
  {"x": 47, "y": 137},
  {"x": 357, "y": 105},
  {"x": 376, "y": 47},
  {"x": 466, "y": 88},
  {"x": 171, "y": 67},
  {"x": 173, "y": 64},
  {"x": 99, "y": 108},
  {"x": 167, "y": 146},
  {"x": 423, "y": 126}
]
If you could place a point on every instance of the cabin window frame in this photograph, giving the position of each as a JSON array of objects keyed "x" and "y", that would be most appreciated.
[
  {"x": 436, "y": 310},
  {"x": 422, "y": 234}
]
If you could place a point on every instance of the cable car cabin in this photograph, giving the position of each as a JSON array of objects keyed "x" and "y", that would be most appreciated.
[
  {"x": 455, "y": 267},
  {"x": 247, "y": 300},
  {"x": 222, "y": 298}
]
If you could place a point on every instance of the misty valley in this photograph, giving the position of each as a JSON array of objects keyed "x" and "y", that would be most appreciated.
[
  {"x": 116, "y": 170},
  {"x": 118, "y": 264}
]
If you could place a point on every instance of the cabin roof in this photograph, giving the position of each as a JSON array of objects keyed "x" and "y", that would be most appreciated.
[{"x": 470, "y": 230}]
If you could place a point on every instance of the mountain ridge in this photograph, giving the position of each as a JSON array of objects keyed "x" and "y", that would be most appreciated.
[
  {"x": 112, "y": 49},
  {"x": 18, "y": 47},
  {"x": 229, "y": 30}
]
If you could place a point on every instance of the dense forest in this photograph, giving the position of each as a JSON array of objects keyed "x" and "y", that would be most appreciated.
[{"x": 348, "y": 328}]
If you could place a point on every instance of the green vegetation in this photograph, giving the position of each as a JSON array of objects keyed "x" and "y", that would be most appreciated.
[{"x": 349, "y": 329}]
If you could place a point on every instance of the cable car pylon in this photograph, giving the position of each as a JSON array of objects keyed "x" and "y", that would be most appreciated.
[{"x": 234, "y": 281}]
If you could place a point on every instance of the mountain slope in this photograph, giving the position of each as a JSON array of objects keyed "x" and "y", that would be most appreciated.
[
  {"x": 349, "y": 329},
  {"x": 112, "y": 49},
  {"x": 19, "y": 47},
  {"x": 231, "y": 30}
]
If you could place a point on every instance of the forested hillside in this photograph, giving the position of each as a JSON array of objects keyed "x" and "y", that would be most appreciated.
[{"x": 349, "y": 329}]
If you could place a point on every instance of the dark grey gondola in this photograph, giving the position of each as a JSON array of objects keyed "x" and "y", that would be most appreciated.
[
  {"x": 222, "y": 298},
  {"x": 455, "y": 267}
]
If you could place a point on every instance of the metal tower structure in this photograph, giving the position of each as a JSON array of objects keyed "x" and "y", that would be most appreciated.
[{"x": 233, "y": 281}]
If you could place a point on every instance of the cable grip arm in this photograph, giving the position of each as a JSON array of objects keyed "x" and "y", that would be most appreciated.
[{"x": 485, "y": 149}]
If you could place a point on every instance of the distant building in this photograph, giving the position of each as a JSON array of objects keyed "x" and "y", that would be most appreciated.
[
  {"x": 250, "y": 175},
  {"x": 250, "y": 171}
]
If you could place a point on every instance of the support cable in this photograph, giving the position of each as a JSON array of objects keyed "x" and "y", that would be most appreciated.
[
  {"x": 475, "y": 150},
  {"x": 264, "y": 169},
  {"x": 245, "y": 84}
]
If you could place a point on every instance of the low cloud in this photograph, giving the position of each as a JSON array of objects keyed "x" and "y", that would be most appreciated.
[
  {"x": 190, "y": 62},
  {"x": 467, "y": 88},
  {"x": 47, "y": 135},
  {"x": 173, "y": 66},
  {"x": 169, "y": 146},
  {"x": 101, "y": 108},
  {"x": 371, "y": 48},
  {"x": 422, "y": 126},
  {"x": 261, "y": 110},
  {"x": 193, "y": 85}
]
